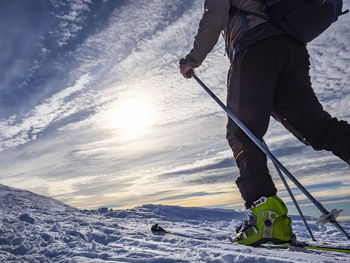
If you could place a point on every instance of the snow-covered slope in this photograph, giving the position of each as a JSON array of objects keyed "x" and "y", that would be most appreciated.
[{"x": 35, "y": 228}]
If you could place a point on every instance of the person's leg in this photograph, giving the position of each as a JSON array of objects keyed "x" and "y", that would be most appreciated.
[
  {"x": 298, "y": 108},
  {"x": 252, "y": 81},
  {"x": 251, "y": 94}
]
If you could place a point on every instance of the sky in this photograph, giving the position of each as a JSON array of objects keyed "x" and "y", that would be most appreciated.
[{"x": 94, "y": 112}]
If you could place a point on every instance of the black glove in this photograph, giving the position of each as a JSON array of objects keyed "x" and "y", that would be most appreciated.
[{"x": 183, "y": 61}]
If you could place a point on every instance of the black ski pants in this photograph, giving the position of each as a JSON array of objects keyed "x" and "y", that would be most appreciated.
[{"x": 272, "y": 78}]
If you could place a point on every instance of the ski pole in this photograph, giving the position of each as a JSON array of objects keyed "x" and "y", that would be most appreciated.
[
  {"x": 284, "y": 181},
  {"x": 327, "y": 215}
]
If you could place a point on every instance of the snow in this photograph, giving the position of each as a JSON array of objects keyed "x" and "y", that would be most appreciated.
[{"x": 36, "y": 228}]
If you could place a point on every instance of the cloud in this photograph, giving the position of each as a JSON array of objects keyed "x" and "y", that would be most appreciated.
[
  {"x": 62, "y": 145},
  {"x": 52, "y": 109},
  {"x": 188, "y": 196},
  {"x": 220, "y": 164},
  {"x": 111, "y": 43},
  {"x": 69, "y": 17}
]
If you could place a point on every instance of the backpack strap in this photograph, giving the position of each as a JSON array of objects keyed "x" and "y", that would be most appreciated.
[
  {"x": 244, "y": 21},
  {"x": 249, "y": 13},
  {"x": 269, "y": 3},
  {"x": 244, "y": 14}
]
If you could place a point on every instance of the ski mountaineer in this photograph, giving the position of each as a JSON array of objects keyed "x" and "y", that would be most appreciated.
[{"x": 268, "y": 76}]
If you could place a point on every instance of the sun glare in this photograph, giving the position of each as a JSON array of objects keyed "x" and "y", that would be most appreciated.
[{"x": 132, "y": 115}]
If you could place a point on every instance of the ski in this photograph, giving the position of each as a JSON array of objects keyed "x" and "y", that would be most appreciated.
[
  {"x": 305, "y": 246},
  {"x": 299, "y": 246},
  {"x": 156, "y": 229}
]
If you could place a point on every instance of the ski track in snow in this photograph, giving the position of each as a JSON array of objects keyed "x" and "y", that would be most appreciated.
[{"x": 35, "y": 228}]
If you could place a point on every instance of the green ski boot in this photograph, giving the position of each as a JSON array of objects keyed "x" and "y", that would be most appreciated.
[{"x": 267, "y": 222}]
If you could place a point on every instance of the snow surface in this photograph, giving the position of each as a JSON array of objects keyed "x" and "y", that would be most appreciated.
[{"x": 36, "y": 228}]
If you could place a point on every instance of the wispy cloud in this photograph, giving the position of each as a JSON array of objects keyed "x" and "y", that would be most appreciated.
[
  {"x": 188, "y": 195},
  {"x": 15, "y": 132},
  {"x": 69, "y": 18}
]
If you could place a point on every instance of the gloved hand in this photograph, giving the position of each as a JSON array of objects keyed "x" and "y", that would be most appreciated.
[{"x": 184, "y": 68}]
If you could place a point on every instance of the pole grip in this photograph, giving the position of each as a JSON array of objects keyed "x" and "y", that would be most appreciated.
[{"x": 190, "y": 73}]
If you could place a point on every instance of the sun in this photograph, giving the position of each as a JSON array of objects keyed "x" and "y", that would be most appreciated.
[{"x": 132, "y": 115}]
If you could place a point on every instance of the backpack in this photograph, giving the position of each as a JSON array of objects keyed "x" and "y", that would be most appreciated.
[{"x": 304, "y": 19}]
